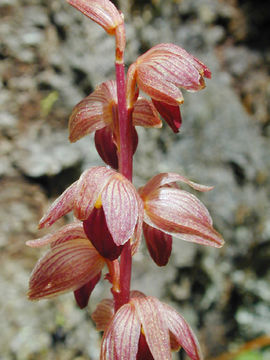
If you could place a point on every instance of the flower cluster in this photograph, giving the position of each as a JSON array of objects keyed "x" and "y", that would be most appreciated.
[{"x": 110, "y": 214}]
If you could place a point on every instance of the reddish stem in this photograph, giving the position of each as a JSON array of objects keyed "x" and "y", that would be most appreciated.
[
  {"x": 125, "y": 153},
  {"x": 125, "y": 125},
  {"x": 122, "y": 297}
]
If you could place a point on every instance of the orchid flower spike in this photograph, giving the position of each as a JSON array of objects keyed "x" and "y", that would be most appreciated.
[
  {"x": 109, "y": 206},
  {"x": 170, "y": 210},
  {"x": 72, "y": 264},
  {"x": 143, "y": 329},
  {"x": 160, "y": 72}
]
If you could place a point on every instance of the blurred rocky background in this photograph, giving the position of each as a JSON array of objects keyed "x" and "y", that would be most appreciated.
[{"x": 51, "y": 56}]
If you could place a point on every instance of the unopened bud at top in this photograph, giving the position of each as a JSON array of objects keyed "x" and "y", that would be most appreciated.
[{"x": 103, "y": 12}]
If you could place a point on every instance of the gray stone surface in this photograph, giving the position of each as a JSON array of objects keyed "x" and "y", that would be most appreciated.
[{"x": 51, "y": 57}]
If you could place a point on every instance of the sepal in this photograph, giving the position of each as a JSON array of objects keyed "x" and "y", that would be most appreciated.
[
  {"x": 68, "y": 232},
  {"x": 182, "y": 334},
  {"x": 66, "y": 267},
  {"x": 94, "y": 112},
  {"x": 120, "y": 340},
  {"x": 60, "y": 207}
]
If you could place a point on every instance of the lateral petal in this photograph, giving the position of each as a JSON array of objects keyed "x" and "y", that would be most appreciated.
[
  {"x": 60, "y": 207},
  {"x": 182, "y": 333},
  {"x": 119, "y": 199},
  {"x": 145, "y": 114},
  {"x": 66, "y": 267},
  {"x": 103, "y": 12},
  {"x": 89, "y": 187},
  {"x": 103, "y": 314},
  {"x": 120, "y": 340},
  {"x": 178, "y": 213},
  {"x": 67, "y": 232},
  {"x": 151, "y": 314}
]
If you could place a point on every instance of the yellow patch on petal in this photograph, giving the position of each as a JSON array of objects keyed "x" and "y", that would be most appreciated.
[
  {"x": 98, "y": 203},
  {"x": 142, "y": 331}
]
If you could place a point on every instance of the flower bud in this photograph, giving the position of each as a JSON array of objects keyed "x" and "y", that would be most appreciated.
[{"x": 103, "y": 12}]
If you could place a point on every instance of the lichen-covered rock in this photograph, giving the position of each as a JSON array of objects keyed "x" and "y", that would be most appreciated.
[{"x": 51, "y": 57}]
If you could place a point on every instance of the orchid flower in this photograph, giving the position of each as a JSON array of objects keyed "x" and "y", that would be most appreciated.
[
  {"x": 98, "y": 113},
  {"x": 143, "y": 329},
  {"x": 107, "y": 203},
  {"x": 170, "y": 210},
  {"x": 160, "y": 72}
]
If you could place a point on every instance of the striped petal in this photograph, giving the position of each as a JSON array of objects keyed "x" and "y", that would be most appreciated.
[
  {"x": 103, "y": 12},
  {"x": 182, "y": 333},
  {"x": 90, "y": 185},
  {"x": 67, "y": 232},
  {"x": 120, "y": 204},
  {"x": 180, "y": 213},
  {"x": 145, "y": 114},
  {"x": 60, "y": 207},
  {"x": 94, "y": 112},
  {"x": 153, "y": 84},
  {"x": 120, "y": 340},
  {"x": 66, "y": 267},
  {"x": 151, "y": 314},
  {"x": 178, "y": 51}
]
